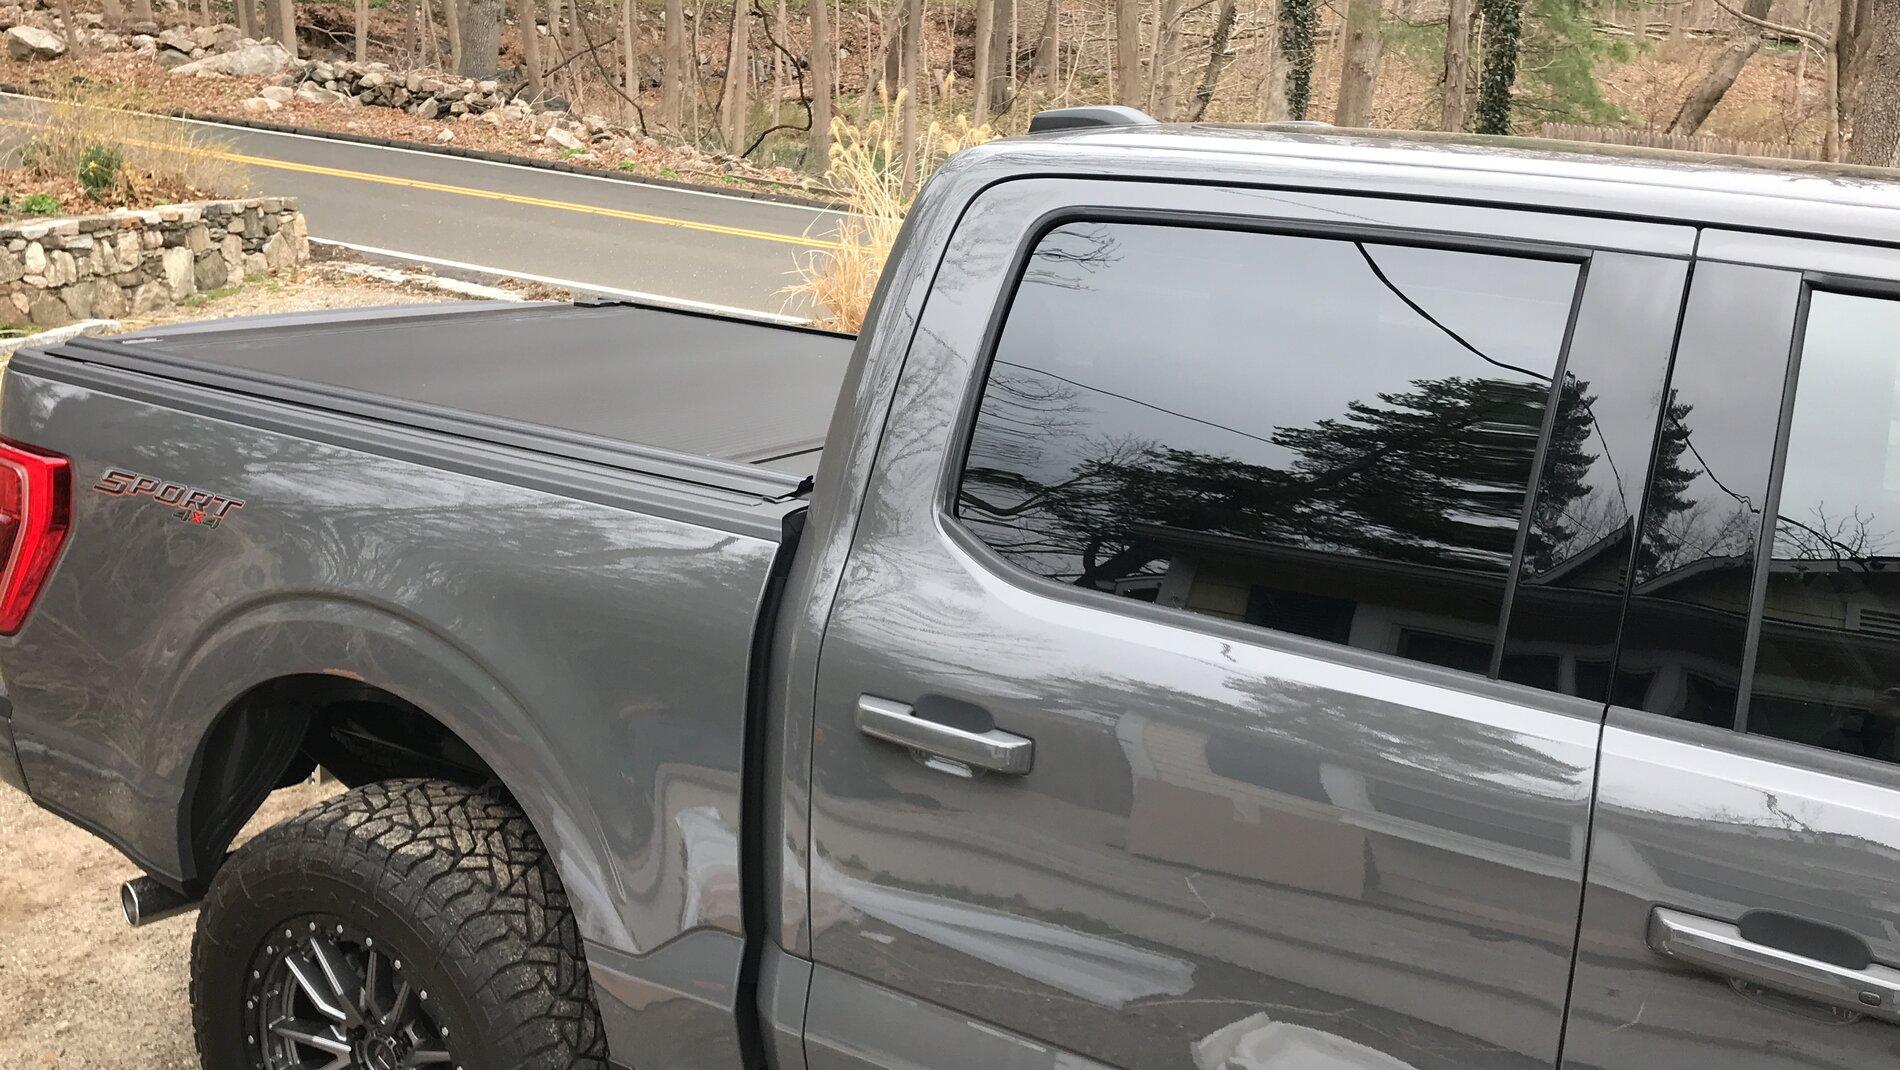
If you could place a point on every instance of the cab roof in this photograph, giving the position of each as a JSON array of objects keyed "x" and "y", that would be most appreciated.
[{"x": 1793, "y": 197}]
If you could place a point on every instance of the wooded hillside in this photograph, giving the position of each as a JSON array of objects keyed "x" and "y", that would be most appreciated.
[{"x": 1818, "y": 77}]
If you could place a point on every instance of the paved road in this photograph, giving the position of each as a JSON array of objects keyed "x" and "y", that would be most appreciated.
[{"x": 680, "y": 244}]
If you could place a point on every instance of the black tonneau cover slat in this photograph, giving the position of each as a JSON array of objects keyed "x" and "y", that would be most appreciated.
[{"x": 688, "y": 395}]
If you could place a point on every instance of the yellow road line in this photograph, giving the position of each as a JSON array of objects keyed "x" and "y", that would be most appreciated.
[{"x": 479, "y": 194}]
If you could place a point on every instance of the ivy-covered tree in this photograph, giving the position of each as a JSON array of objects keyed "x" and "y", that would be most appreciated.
[
  {"x": 1299, "y": 20},
  {"x": 1499, "y": 71}
]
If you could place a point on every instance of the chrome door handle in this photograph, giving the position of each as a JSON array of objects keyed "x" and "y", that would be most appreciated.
[
  {"x": 996, "y": 751},
  {"x": 1719, "y": 947}
]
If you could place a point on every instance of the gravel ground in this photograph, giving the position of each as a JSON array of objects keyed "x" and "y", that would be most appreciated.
[{"x": 78, "y": 988}]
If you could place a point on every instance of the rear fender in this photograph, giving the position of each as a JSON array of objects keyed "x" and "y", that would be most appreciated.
[{"x": 375, "y": 645}]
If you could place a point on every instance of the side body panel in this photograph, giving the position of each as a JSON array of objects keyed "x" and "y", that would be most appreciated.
[
  {"x": 1693, "y": 815},
  {"x": 1230, "y": 840},
  {"x": 594, "y": 655}
]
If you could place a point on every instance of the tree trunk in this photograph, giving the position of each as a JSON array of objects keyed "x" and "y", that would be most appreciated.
[
  {"x": 452, "y": 19},
  {"x": 1875, "y": 118},
  {"x": 777, "y": 25},
  {"x": 1049, "y": 49},
  {"x": 1500, "y": 65},
  {"x": 673, "y": 66},
  {"x": 1850, "y": 50},
  {"x": 1457, "y": 88},
  {"x": 630, "y": 49},
  {"x": 244, "y": 13},
  {"x": 529, "y": 23},
  {"x": 1299, "y": 24},
  {"x": 1164, "y": 90},
  {"x": 70, "y": 29},
  {"x": 142, "y": 18},
  {"x": 1128, "y": 52},
  {"x": 362, "y": 31},
  {"x": 1359, "y": 65},
  {"x": 824, "y": 62},
  {"x": 480, "y": 36},
  {"x": 1002, "y": 56},
  {"x": 1217, "y": 58},
  {"x": 910, "y": 56},
  {"x": 1742, "y": 46},
  {"x": 735, "y": 98},
  {"x": 985, "y": 27},
  {"x": 894, "y": 47},
  {"x": 114, "y": 13},
  {"x": 287, "y": 23}
]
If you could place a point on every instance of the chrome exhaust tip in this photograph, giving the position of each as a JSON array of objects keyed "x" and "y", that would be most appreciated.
[{"x": 145, "y": 901}]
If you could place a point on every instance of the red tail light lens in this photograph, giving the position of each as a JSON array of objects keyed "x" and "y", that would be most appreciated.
[{"x": 36, "y": 498}]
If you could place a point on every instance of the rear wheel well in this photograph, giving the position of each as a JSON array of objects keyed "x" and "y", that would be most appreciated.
[{"x": 278, "y": 732}]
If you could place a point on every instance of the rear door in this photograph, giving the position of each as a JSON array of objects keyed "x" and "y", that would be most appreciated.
[
  {"x": 1217, "y": 672},
  {"x": 1744, "y": 872}
]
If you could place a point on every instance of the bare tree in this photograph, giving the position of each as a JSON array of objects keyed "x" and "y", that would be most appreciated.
[
  {"x": 1217, "y": 59},
  {"x": 114, "y": 14},
  {"x": 362, "y": 31},
  {"x": 1456, "y": 105},
  {"x": 1128, "y": 52},
  {"x": 734, "y": 99},
  {"x": 910, "y": 59},
  {"x": 71, "y": 29},
  {"x": 1742, "y": 46},
  {"x": 244, "y": 12},
  {"x": 452, "y": 20},
  {"x": 143, "y": 21},
  {"x": 1164, "y": 77},
  {"x": 629, "y": 53},
  {"x": 530, "y": 46},
  {"x": 481, "y": 37},
  {"x": 1359, "y": 67},
  {"x": 778, "y": 63},
  {"x": 1875, "y": 118},
  {"x": 673, "y": 64},
  {"x": 985, "y": 29},
  {"x": 287, "y": 25},
  {"x": 1002, "y": 66},
  {"x": 1049, "y": 48},
  {"x": 1841, "y": 52},
  {"x": 824, "y": 63}
]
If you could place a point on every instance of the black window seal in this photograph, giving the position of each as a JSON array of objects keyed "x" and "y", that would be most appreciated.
[{"x": 1771, "y": 506}]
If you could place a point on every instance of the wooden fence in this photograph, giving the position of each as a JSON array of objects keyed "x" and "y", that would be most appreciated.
[{"x": 1657, "y": 139}]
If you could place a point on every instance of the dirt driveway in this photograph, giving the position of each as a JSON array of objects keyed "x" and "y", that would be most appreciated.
[{"x": 78, "y": 988}]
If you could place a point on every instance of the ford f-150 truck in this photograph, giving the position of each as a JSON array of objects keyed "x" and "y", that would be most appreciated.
[{"x": 1267, "y": 599}]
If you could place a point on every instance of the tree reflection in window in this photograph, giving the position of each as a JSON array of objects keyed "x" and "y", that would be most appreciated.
[{"x": 1321, "y": 436}]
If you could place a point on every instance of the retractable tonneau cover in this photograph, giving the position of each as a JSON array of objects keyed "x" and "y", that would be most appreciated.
[{"x": 587, "y": 380}]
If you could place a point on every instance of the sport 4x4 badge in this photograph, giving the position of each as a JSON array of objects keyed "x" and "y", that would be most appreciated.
[{"x": 188, "y": 504}]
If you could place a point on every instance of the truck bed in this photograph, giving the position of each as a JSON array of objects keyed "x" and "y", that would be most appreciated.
[{"x": 689, "y": 394}]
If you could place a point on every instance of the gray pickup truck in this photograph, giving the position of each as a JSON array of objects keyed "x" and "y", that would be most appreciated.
[{"x": 1269, "y": 599}]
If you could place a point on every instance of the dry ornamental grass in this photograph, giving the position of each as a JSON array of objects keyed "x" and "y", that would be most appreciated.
[
  {"x": 106, "y": 138},
  {"x": 871, "y": 173}
]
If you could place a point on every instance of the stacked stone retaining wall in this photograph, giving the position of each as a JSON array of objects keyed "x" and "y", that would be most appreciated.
[{"x": 130, "y": 262}]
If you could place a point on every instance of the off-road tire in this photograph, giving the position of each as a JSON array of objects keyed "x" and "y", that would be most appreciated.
[{"x": 461, "y": 894}]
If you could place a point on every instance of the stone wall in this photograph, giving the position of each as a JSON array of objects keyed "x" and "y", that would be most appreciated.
[{"x": 128, "y": 262}]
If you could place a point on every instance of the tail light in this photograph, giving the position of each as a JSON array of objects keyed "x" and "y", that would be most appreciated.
[{"x": 36, "y": 499}]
